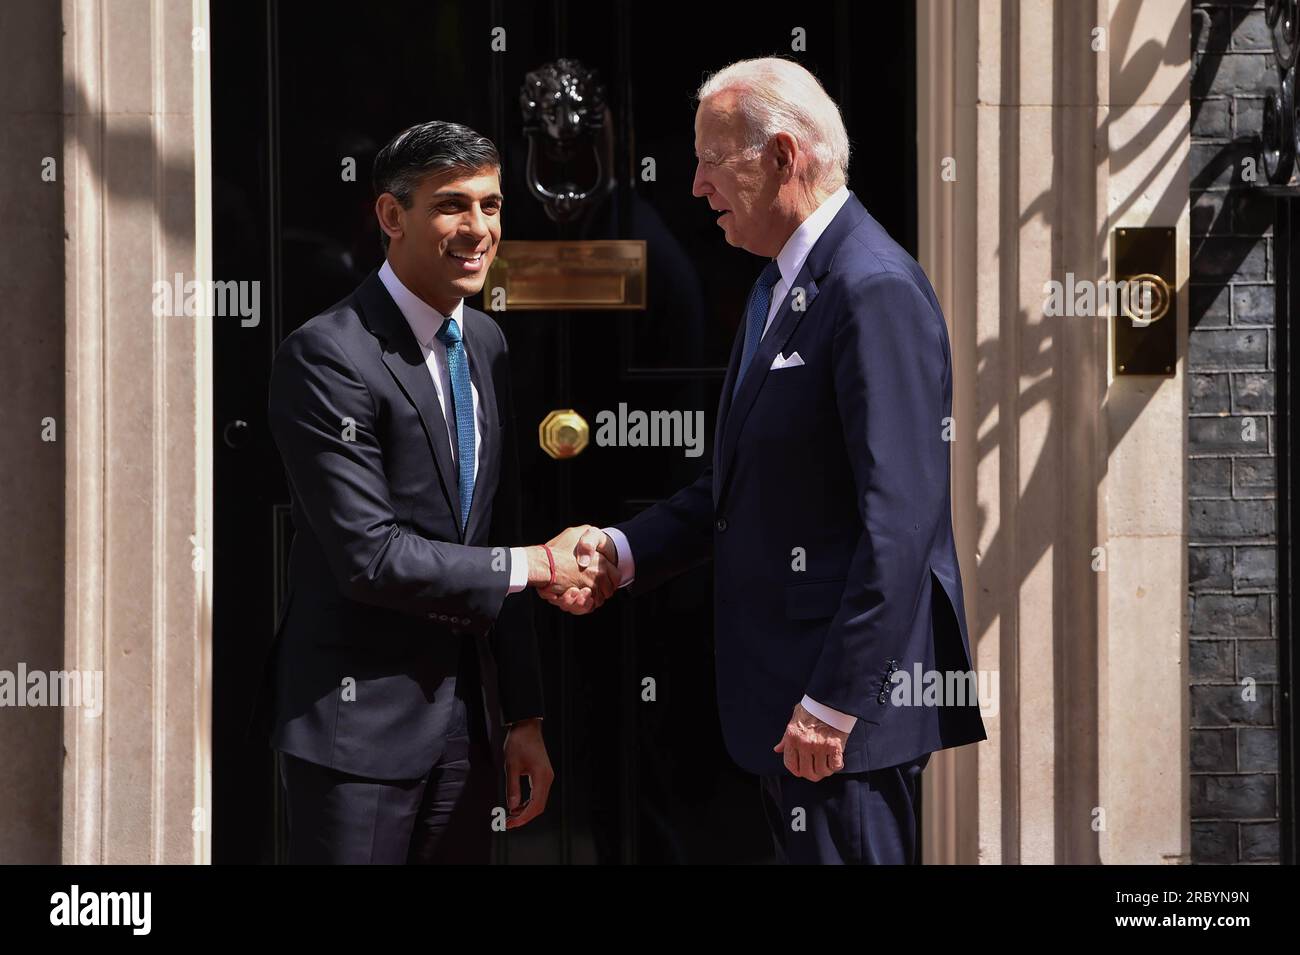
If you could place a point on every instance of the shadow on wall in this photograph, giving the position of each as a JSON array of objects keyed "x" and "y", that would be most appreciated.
[{"x": 1045, "y": 351}]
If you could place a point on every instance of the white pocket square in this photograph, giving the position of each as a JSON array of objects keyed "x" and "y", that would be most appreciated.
[{"x": 780, "y": 361}]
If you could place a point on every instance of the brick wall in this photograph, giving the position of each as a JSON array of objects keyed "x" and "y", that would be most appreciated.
[{"x": 1232, "y": 487}]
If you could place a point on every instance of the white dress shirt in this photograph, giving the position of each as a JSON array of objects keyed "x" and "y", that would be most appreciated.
[
  {"x": 789, "y": 261},
  {"x": 425, "y": 320}
]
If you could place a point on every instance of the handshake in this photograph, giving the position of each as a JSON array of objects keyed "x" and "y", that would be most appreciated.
[{"x": 577, "y": 570}]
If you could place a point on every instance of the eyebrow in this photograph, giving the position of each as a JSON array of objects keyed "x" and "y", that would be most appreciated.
[{"x": 453, "y": 194}]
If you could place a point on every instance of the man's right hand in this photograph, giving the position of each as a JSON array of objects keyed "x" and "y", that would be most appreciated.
[
  {"x": 593, "y": 545},
  {"x": 586, "y": 569}
]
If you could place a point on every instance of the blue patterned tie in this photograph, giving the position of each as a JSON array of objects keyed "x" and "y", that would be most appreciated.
[
  {"x": 760, "y": 300},
  {"x": 462, "y": 403}
]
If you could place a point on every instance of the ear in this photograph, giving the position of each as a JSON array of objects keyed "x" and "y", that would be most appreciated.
[
  {"x": 786, "y": 152},
  {"x": 389, "y": 213}
]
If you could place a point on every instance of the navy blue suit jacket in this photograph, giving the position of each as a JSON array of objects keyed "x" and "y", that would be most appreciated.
[
  {"x": 385, "y": 589},
  {"x": 842, "y": 460}
]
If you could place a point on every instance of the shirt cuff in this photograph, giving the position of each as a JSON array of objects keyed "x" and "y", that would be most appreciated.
[
  {"x": 623, "y": 552},
  {"x": 841, "y": 721},
  {"x": 518, "y": 570}
]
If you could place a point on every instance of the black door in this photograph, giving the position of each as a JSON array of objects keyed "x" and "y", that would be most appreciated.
[{"x": 299, "y": 101}]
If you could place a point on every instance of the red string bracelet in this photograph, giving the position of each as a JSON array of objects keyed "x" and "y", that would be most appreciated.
[{"x": 550, "y": 559}]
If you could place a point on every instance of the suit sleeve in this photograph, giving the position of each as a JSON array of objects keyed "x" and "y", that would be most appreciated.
[
  {"x": 514, "y": 637},
  {"x": 672, "y": 536},
  {"x": 890, "y": 372},
  {"x": 323, "y": 419}
]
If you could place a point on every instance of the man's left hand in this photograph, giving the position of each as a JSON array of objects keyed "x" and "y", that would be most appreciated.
[
  {"x": 525, "y": 753},
  {"x": 813, "y": 750}
]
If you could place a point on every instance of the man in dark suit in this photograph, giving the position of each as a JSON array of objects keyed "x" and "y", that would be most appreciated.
[
  {"x": 826, "y": 509},
  {"x": 405, "y": 650}
]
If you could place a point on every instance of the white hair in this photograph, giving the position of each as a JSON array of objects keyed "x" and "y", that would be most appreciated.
[{"x": 775, "y": 95}]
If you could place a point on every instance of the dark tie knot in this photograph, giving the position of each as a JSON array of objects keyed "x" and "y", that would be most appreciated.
[
  {"x": 771, "y": 273},
  {"x": 449, "y": 334}
]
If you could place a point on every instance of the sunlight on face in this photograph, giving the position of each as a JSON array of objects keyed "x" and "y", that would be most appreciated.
[
  {"x": 729, "y": 176},
  {"x": 450, "y": 234}
]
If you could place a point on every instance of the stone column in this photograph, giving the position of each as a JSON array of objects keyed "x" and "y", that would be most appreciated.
[
  {"x": 136, "y": 782},
  {"x": 1056, "y": 124}
]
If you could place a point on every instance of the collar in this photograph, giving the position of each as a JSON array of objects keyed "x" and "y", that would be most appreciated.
[
  {"x": 424, "y": 319},
  {"x": 795, "y": 251}
]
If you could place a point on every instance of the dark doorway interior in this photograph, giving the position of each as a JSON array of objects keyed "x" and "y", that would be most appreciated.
[{"x": 296, "y": 94}]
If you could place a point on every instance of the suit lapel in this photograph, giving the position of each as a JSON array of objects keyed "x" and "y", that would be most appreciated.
[
  {"x": 724, "y": 406},
  {"x": 480, "y": 369},
  {"x": 733, "y": 413},
  {"x": 784, "y": 323},
  {"x": 405, "y": 360}
]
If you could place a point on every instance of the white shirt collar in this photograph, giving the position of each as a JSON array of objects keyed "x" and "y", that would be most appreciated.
[
  {"x": 795, "y": 251},
  {"x": 424, "y": 319}
]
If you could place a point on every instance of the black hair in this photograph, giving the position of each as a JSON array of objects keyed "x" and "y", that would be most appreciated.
[{"x": 427, "y": 148}]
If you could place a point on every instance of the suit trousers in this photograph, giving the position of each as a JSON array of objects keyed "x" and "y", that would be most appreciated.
[
  {"x": 869, "y": 818},
  {"x": 444, "y": 817}
]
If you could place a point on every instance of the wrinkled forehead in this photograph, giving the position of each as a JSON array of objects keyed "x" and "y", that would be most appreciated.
[{"x": 719, "y": 125}]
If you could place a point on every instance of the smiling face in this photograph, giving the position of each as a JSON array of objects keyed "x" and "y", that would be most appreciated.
[
  {"x": 441, "y": 246},
  {"x": 736, "y": 182}
]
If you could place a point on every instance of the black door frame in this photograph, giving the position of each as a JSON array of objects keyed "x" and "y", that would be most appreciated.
[{"x": 1287, "y": 292}]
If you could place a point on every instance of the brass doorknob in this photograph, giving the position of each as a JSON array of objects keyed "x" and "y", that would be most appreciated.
[{"x": 563, "y": 433}]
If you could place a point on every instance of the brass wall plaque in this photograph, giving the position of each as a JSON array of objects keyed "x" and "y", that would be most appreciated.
[
  {"x": 594, "y": 274},
  {"x": 1145, "y": 325},
  {"x": 563, "y": 433}
]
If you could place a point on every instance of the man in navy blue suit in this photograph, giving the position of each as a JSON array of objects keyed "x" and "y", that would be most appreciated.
[{"x": 826, "y": 509}]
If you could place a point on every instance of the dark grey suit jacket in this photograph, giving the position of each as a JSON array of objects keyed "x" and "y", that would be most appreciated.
[{"x": 385, "y": 591}]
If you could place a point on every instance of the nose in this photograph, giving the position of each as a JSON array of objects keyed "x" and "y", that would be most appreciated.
[
  {"x": 700, "y": 186},
  {"x": 476, "y": 223}
]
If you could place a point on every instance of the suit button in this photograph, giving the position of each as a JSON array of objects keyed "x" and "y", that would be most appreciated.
[{"x": 722, "y": 524}]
